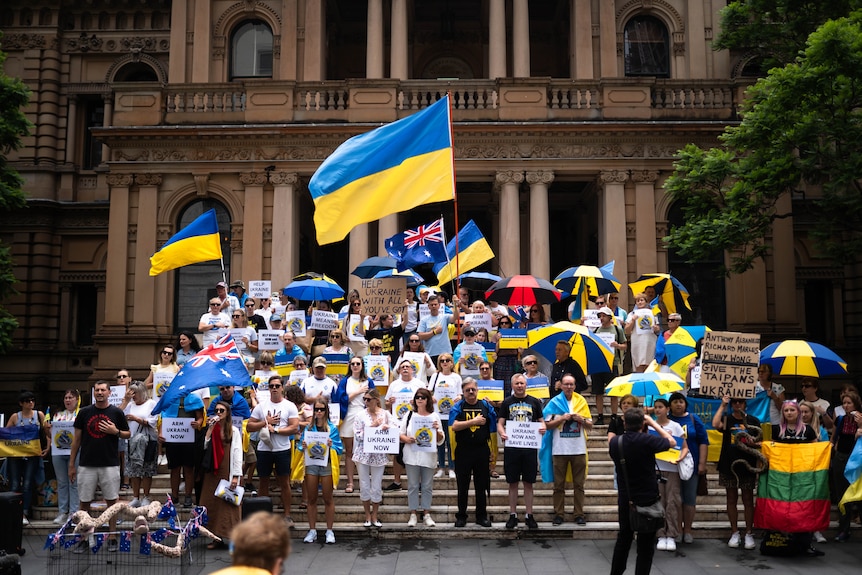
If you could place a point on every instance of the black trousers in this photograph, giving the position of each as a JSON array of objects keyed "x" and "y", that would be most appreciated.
[
  {"x": 645, "y": 550},
  {"x": 472, "y": 461}
]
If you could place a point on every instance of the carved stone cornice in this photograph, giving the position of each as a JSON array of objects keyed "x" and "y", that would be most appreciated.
[
  {"x": 284, "y": 178},
  {"x": 252, "y": 178},
  {"x": 132, "y": 44},
  {"x": 540, "y": 177},
  {"x": 509, "y": 177},
  {"x": 24, "y": 41},
  {"x": 148, "y": 179},
  {"x": 82, "y": 277},
  {"x": 119, "y": 180},
  {"x": 644, "y": 176},
  {"x": 613, "y": 176}
]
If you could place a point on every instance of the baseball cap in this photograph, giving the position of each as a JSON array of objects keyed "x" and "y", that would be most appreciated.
[
  {"x": 221, "y": 284},
  {"x": 275, "y": 317},
  {"x": 319, "y": 361},
  {"x": 606, "y": 310}
]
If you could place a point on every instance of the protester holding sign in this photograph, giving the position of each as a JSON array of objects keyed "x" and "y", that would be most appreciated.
[
  {"x": 349, "y": 397},
  {"x": 415, "y": 352},
  {"x": 184, "y": 457},
  {"x": 226, "y": 442},
  {"x": 321, "y": 474},
  {"x": 445, "y": 387},
  {"x": 22, "y": 470},
  {"x": 370, "y": 464},
  {"x": 469, "y": 354},
  {"x": 167, "y": 364},
  {"x": 337, "y": 345},
  {"x": 398, "y": 398},
  {"x": 62, "y": 432},
  {"x": 421, "y": 433}
]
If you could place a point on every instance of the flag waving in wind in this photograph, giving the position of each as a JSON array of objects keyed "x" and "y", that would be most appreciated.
[
  {"x": 422, "y": 245},
  {"x": 197, "y": 242},
  {"x": 385, "y": 171},
  {"x": 474, "y": 251},
  {"x": 219, "y": 363}
]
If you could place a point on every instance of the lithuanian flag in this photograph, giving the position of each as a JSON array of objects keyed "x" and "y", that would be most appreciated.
[
  {"x": 20, "y": 441},
  {"x": 793, "y": 496}
]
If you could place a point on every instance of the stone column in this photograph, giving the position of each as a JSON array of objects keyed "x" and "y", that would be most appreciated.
[
  {"x": 288, "y": 58},
  {"x": 201, "y": 52},
  {"x": 520, "y": 39},
  {"x": 696, "y": 41},
  {"x": 540, "y": 228},
  {"x": 399, "y": 49},
  {"x": 71, "y": 132},
  {"x": 386, "y": 228},
  {"x": 252, "y": 226},
  {"x": 116, "y": 268},
  {"x": 358, "y": 252},
  {"x": 612, "y": 223},
  {"x": 313, "y": 52},
  {"x": 497, "y": 39},
  {"x": 179, "y": 30},
  {"x": 285, "y": 228},
  {"x": 608, "y": 40},
  {"x": 374, "y": 40},
  {"x": 510, "y": 222},
  {"x": 645, "y": 234},
  {"x": 108, "y": 119},
  {"x": 143, "y": 310},
  {"x": 581, "y": 40}
]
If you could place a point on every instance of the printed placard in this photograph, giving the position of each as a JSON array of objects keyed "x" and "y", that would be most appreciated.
[
  {"x": 403, "y": 403},
  {"x": 471, "y": 357},
  {"x": 513, "y": 338},
  {"x": 729, "y": 364},
  {"x": 260, "y": 289},
  {"x": 316, "y": 448},
  {"x": 161, "y": 383},
  {"x": 478, "y": 320},
  {"x": 297, "y": 376},
  {"x": 62, "y": 433},
  {"x": 490, "y": 389},
  {"x": 178, "y": 430},
  {"x": 418, "y": 361},
  {"x": 490, "y": 351},
  {"x": 644, "y": 320},
  {"x": 524, "y": 434},
  {"x": 295, "y": 322},
  {"x": 353, "y": 323},
  {"x": 236, "y": 421},
  {"x": 377, "y": 368},
  {"x": 383, "y": 295},
  {"x": 424, "y": 433},
  {"x": 379, "y": 440},
  {"x": 238, "y": 333},
  {"x": 324, "y": 320},
  {"x": 538, "y": 387},
  {"x": 261, "y": 379},
  {"x": 270, "y": 339},
  {"x": 444, "y": 395},
  {"x": 336, "y": 363}
]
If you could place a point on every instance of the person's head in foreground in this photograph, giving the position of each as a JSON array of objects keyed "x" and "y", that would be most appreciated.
[{"x": 262, "y": 540}]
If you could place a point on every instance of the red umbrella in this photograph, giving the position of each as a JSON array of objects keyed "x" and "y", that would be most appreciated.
[{"x": 523, "y": 290}]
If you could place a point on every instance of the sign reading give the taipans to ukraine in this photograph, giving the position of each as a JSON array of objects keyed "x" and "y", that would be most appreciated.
[
  {"x": 729, "y": 364},
  {"x": 383, "y": 295}
]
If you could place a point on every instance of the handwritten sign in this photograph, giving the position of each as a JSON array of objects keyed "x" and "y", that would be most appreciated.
[
  {"x": 424, "y": 433},
  {"x": 260, "y": 289},
  {"x": 383, "y": 295},
  {"x": 316, "y": 448},
  {"x": 62, "y": 433},
  {"x": 591, "y": 319},
  {"x": 295, "y": 322},
  {"x": 324, "y": 320},
  {"x": 478, "y": 320},
  {"x": 118, "y": 392},
  {"x": 524, "y": 434},
  {"x": 424, "y": 311},
  {"x": 379, "y": 440},
  {"x": 270, "y": 339},
  {"x": 729, "y": 366},
  {"x": 178, "y": 430}
]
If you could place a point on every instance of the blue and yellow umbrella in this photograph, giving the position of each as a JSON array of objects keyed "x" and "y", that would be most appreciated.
[
  {"x": 588, "y": 349},
  {"x": 599, "y": 280},
  {"x": 669, "y": 290},
  {"x": 644, "y": 384},
  {"x": 681, "y": 345},
  {"x": 800, "y": 357}
]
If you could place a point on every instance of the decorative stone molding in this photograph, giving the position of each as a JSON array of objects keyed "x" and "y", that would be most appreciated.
[
  {"x": 70, "y": 278},
  {"x": 613, "y": 176},
  {"x": 252, "y": 178},
  {"x": 24, "y": 41},
  {"x": 540, "y": 177},
  {"x": 244, "y": 10},
  {"x": 119, "y": 180},
  {"x": 148, "y": 179},
  {"x": 84, "y": 44},
  {"x": 284, "y": 178},
  {"x": 509, "y": 177},
  {"x": 201, "y": 180},
  {"x": 133, "y": 44},
  {"x": 659, "y": 8},
  {"x": 157, "y": 66},
  {"x": 644, "y": 176}
]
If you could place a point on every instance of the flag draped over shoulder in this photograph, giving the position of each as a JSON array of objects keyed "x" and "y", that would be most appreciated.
[
  {"x": 197, "y": 242},
  {"x": 853, "y": 474},
  {"x": 417, "y": 246},
  {"x": 385, "y": 171},
  {"x": 20, "y": 441},
  {"x": 705, "y": 409},
  {"x": 474, "y": 251},
  {"x": 219, "y": 363},
  {"x": 793, "y": 496},
  {"x": 559, "y": 405}
]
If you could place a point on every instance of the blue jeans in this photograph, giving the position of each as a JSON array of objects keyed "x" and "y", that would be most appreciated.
[
  {"x": 22, "y": 478},
  {"x": 444, "y": 451},
  {"x": 67, "y": 491}
]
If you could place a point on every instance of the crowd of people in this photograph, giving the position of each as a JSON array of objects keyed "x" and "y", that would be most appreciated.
[{"x": 421, "y": 375}]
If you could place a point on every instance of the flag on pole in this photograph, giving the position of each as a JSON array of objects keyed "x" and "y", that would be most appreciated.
[
  {"x": 197, "y": 242},
  {"x": 385, "y": 171},
  {"x": 474, "y": 252},
  {"x": 422, "y": 245}
]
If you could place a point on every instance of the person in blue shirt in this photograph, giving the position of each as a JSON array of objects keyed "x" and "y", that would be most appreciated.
[{"x": 238, "y": 404}]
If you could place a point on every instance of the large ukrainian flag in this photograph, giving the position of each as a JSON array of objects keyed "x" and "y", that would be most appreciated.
[
  {"x": 197, "y": 242},
  {"x": 385, "y": 171}
]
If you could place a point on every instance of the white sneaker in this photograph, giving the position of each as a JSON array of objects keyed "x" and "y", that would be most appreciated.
[
  {"x": 63, "y": 517},
  {"x": 439, "y": 474},
  {"x": 819, "y": 538},
  {"x": 24, "y": 521},
  {"x": 145, "y": 502},
  {"x": 749, "y": 541},
  {"x": 311, "y": 536},
  {"x": 428, "y": 521},
  {"x": 412, "y": 521},
  {"x": 163, "y": 460},
  {"x": 330, "y": 537},
  {"x": 734, "y": 540},
  {"x": 451, "y": 474},
  {"x": 662, "y": 544},
  {"x": 182, "y": 488},
  {"x": 135, "y": 502},
  {"x": 671, "y": 544}
]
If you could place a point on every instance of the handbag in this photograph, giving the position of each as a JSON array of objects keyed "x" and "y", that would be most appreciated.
[
  {"x": 686, "y": 467},
  {"x": 207, "y": 460},
  {"x": 642, "y": 518},
  {"x": 151, "y": 451}
]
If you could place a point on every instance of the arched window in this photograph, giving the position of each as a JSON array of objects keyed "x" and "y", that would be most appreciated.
[
  {"x": 136, "y": 72},
  {"x": 195, "y": 284},
  {"x": 251, "y": 50},
  {"x": 647, "y": 49}
]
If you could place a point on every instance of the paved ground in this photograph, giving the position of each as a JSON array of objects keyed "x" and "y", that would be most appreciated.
[{"x": 501, "y": 557}]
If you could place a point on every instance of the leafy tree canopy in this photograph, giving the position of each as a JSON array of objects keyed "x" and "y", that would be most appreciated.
[{"x": 801, "y": 128}]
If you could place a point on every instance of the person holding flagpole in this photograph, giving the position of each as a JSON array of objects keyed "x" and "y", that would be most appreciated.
[{"x": 434, "y": 330}]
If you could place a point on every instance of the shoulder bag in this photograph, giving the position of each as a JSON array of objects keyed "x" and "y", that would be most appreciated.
[{"x": 642, "y": 518}]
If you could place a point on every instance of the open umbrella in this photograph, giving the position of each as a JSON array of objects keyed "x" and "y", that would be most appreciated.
[
  {"x": 313, "y": 290},
  {"x": 523, "y": 290},
  {"x": 800, "y": 357},
  {"x": 644, "y": 384},
  {"x": 599, "y": 280},
  {"x": 413, "y": 279},
  {"x": 374, "y": 265},
  {"x": 680, "y": 347},
  {"x": 478, "y": 280},
  {"x": 588, "y": 349},
  {"x": 313, "y": 276},
  {"x": 669, "y": 290}
]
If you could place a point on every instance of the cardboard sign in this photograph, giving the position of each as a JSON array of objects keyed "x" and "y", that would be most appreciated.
[
  {"x": 260, "y": 289},
  {"x": 383, "y": 295},
  {"x": 424, "y": 433},
  {"x": 295, "y": 322},
  {"x": 379, "y": 440},
  {"x": 378, "y": 368},
  {"x": 178, "y": 430},
  {"x": 270, "y": 339},
  {"x": 538, "y": 387},
  {"x": 729, "y": 364},
  {"x": 62, "y": 433},
  {"x": 324, "y": 320},
  {"x": 316, "y": 448},
  {"x": 490, "y": 389},
  {"x": 478, "y": 320},
  {"x": 524, "y": 434}
]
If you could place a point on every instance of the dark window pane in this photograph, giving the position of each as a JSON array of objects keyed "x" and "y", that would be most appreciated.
[
  {"x": 647, "y": 50},
  {"x": 251, "y": 51}
]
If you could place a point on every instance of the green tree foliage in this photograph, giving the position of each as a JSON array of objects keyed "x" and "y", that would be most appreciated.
[
  {"x": 13, "y": 127},
  {"x": 801, "y": 127}
]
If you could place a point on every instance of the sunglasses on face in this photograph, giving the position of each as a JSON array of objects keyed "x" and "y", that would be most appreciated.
[
  {"x": 413, "y": 340},
  {"x": 122, "y": 376},
  {"x": 275, "y": 386},
  {"x": 471, "y": 390},
  {"x": 167, "y": 353},
  {"x": 355, "y": 364},
  {"x": 530, "y": 362},
  {"x": 376, "y": 347},
  {"x": 319, "y": 409},
  {"x": 445, "y": 360},
  {"x": 249, "y": 305},
  {"x": 367, "y": 399},
  {"x": 221, "y": 411}
]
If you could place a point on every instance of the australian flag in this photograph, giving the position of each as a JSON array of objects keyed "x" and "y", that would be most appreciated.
[
  {"x": 217, "y": 364},
  {"x": 422, "y": 245}
]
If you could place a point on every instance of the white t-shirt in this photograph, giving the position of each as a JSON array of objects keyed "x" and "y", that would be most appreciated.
[
  {"x": 314, "y": 387},
  {"x": 569, "y": 438},
  {"x": 674, "y": 429},
  {"x": 285, "y": 410},
  {"x": 210, "y": 336},
  {"x": 401, "y": 386}
]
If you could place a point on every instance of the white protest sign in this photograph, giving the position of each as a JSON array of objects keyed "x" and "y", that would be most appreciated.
[
  {"x": 418, "y": 361},
  {"x": 403, "y": 403},
  {"x": 644, "y": 320},
  {"x": 424, "y": 311},
  {"x": 118, "y": 392},
  {"x": 607, "y": 336},
  {"x": 523, "y": 434},
  {"x": 324, "y": 320},
  {"x": 178, "y": 430},
  {"x": 295, "y": 322},
  {"x": 353, "y": 323},
  {"x": 478, "y": 320},
  {"x": 297, "y": 376},
  {"x": 62, "y": 433},
  {"x": 316, "y": 448},
  {"x": 377, "y": 367},
  {"x": 260, "y": 289},
  {"x": 424, "y": 433},
  {"x": 236, "y": 421},
  {"x": 591, "y": 318},
  {"x": 379, "y": 440},
  {"x": 445, "y": 393},
  {"x": 269, "y": 340},
  {"x": 730, "y": 362},
  {"x": 161, "y": 383},
  {"x": 471, "y": 357},
  {"x": 239, "y": 334}
]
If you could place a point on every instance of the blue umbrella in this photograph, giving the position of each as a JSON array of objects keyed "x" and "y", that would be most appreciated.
[
  {"x": 313, "y": 290},
  {"x": 374, "y": 265},
  {"x": 413, "y": 279}
]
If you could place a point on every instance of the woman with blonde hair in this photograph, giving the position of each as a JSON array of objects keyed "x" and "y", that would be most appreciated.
[
  {"x": 348, "y": 397},
  {"x": 321, "y": 474},
  {"x": 445, "y": 387},
  {"x": 370, "y": 465},
  {"x": 642, "y": 329}
]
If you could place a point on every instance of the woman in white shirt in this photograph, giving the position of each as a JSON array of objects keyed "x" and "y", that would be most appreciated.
[
  {"x": 445, "y": 387},
  {"x": 420, "y": 431}
]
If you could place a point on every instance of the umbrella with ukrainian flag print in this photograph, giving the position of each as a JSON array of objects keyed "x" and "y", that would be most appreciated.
[
  {"x": 681, "y": 346},
  {"x": 644, "y": 384},
  {"x": 588, "y": 349},
  {"x": 804, "y": 358}
]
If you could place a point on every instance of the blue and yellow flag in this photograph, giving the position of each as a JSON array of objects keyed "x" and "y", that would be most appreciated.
[
  {"x": 385, "y": 171},
  {"x": 472, "y": 251},
  {"x": 20, "y": 441},
  {"x": 197, "y": 242}
]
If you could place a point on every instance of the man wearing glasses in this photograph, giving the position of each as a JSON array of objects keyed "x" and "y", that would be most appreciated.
[
  {"x": 434, "y": 330},
  {"x": 214, "y": 323},
  {"x": 674, "y": 320},
  {"x": 281, "y": 419},
  {"x": 473, "y": 420}
]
